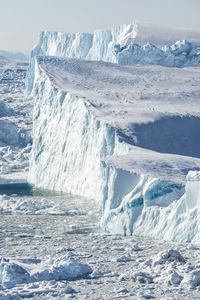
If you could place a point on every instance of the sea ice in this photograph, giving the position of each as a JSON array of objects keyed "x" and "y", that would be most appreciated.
[
  {"x": 168, "y": 267},
  {"x": 23, "y": 206}
]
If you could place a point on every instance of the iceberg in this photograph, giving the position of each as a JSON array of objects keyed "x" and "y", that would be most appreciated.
[
  {"x": 135, "y": 43},
  {"x": 123, "y": 136}
]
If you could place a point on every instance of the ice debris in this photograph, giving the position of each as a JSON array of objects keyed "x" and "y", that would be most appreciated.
[
  {"x": 124, "y": 258},
  {"x": 168, "y": 267},
  {"x": 26, "y": 206}
]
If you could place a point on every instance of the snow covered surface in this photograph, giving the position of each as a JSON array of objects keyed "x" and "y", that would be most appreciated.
[
  {"x": 133, "y": 94},
  {"x": 175, "y": 270},
  {"x": 156, "y": 165},
  {"x": 23, "y": 206}
]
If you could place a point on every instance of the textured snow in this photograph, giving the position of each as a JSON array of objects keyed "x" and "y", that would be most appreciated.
[
  {"x": 156, "y": 165},
  {"x": 138, "y": 101},
  {"x": 8, "y": 132}
]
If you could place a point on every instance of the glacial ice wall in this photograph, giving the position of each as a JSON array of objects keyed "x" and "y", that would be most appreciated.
[
  {"x": 70, "y": 147},
  {"x": 69, "y": 144},
  {"x": 136, "y": 43}
]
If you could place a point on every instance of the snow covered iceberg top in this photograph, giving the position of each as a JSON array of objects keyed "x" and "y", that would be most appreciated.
[
  {"x": 143, "y": 103},
  {"x": 123, "y": 95},
  {"x": 148, "y": 106}
]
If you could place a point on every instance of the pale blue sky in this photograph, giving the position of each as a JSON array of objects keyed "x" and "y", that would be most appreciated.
[{"x": 21, "y": 20}]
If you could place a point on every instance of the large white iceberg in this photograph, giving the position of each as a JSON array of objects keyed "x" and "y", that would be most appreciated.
[
  {"x": 136, "y": 43},
  {"x": 125, "y": 136}
]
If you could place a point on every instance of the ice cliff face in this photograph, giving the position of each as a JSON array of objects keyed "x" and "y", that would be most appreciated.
[
  {"x": 89, "y": 127},
  {"x": 136, "y": 43},
  {"x": 62, "y": 125}
]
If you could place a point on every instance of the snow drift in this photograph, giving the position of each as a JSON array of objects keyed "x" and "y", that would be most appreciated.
[{"x": 91, "y": 120}]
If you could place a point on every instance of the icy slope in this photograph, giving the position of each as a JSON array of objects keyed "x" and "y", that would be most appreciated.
[
  {"x": 136, "y": 43},
  {"x": 89, "y": 115}
]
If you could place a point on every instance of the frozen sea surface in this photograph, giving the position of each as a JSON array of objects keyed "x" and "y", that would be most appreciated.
[{"x": 51, "y": 247}]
